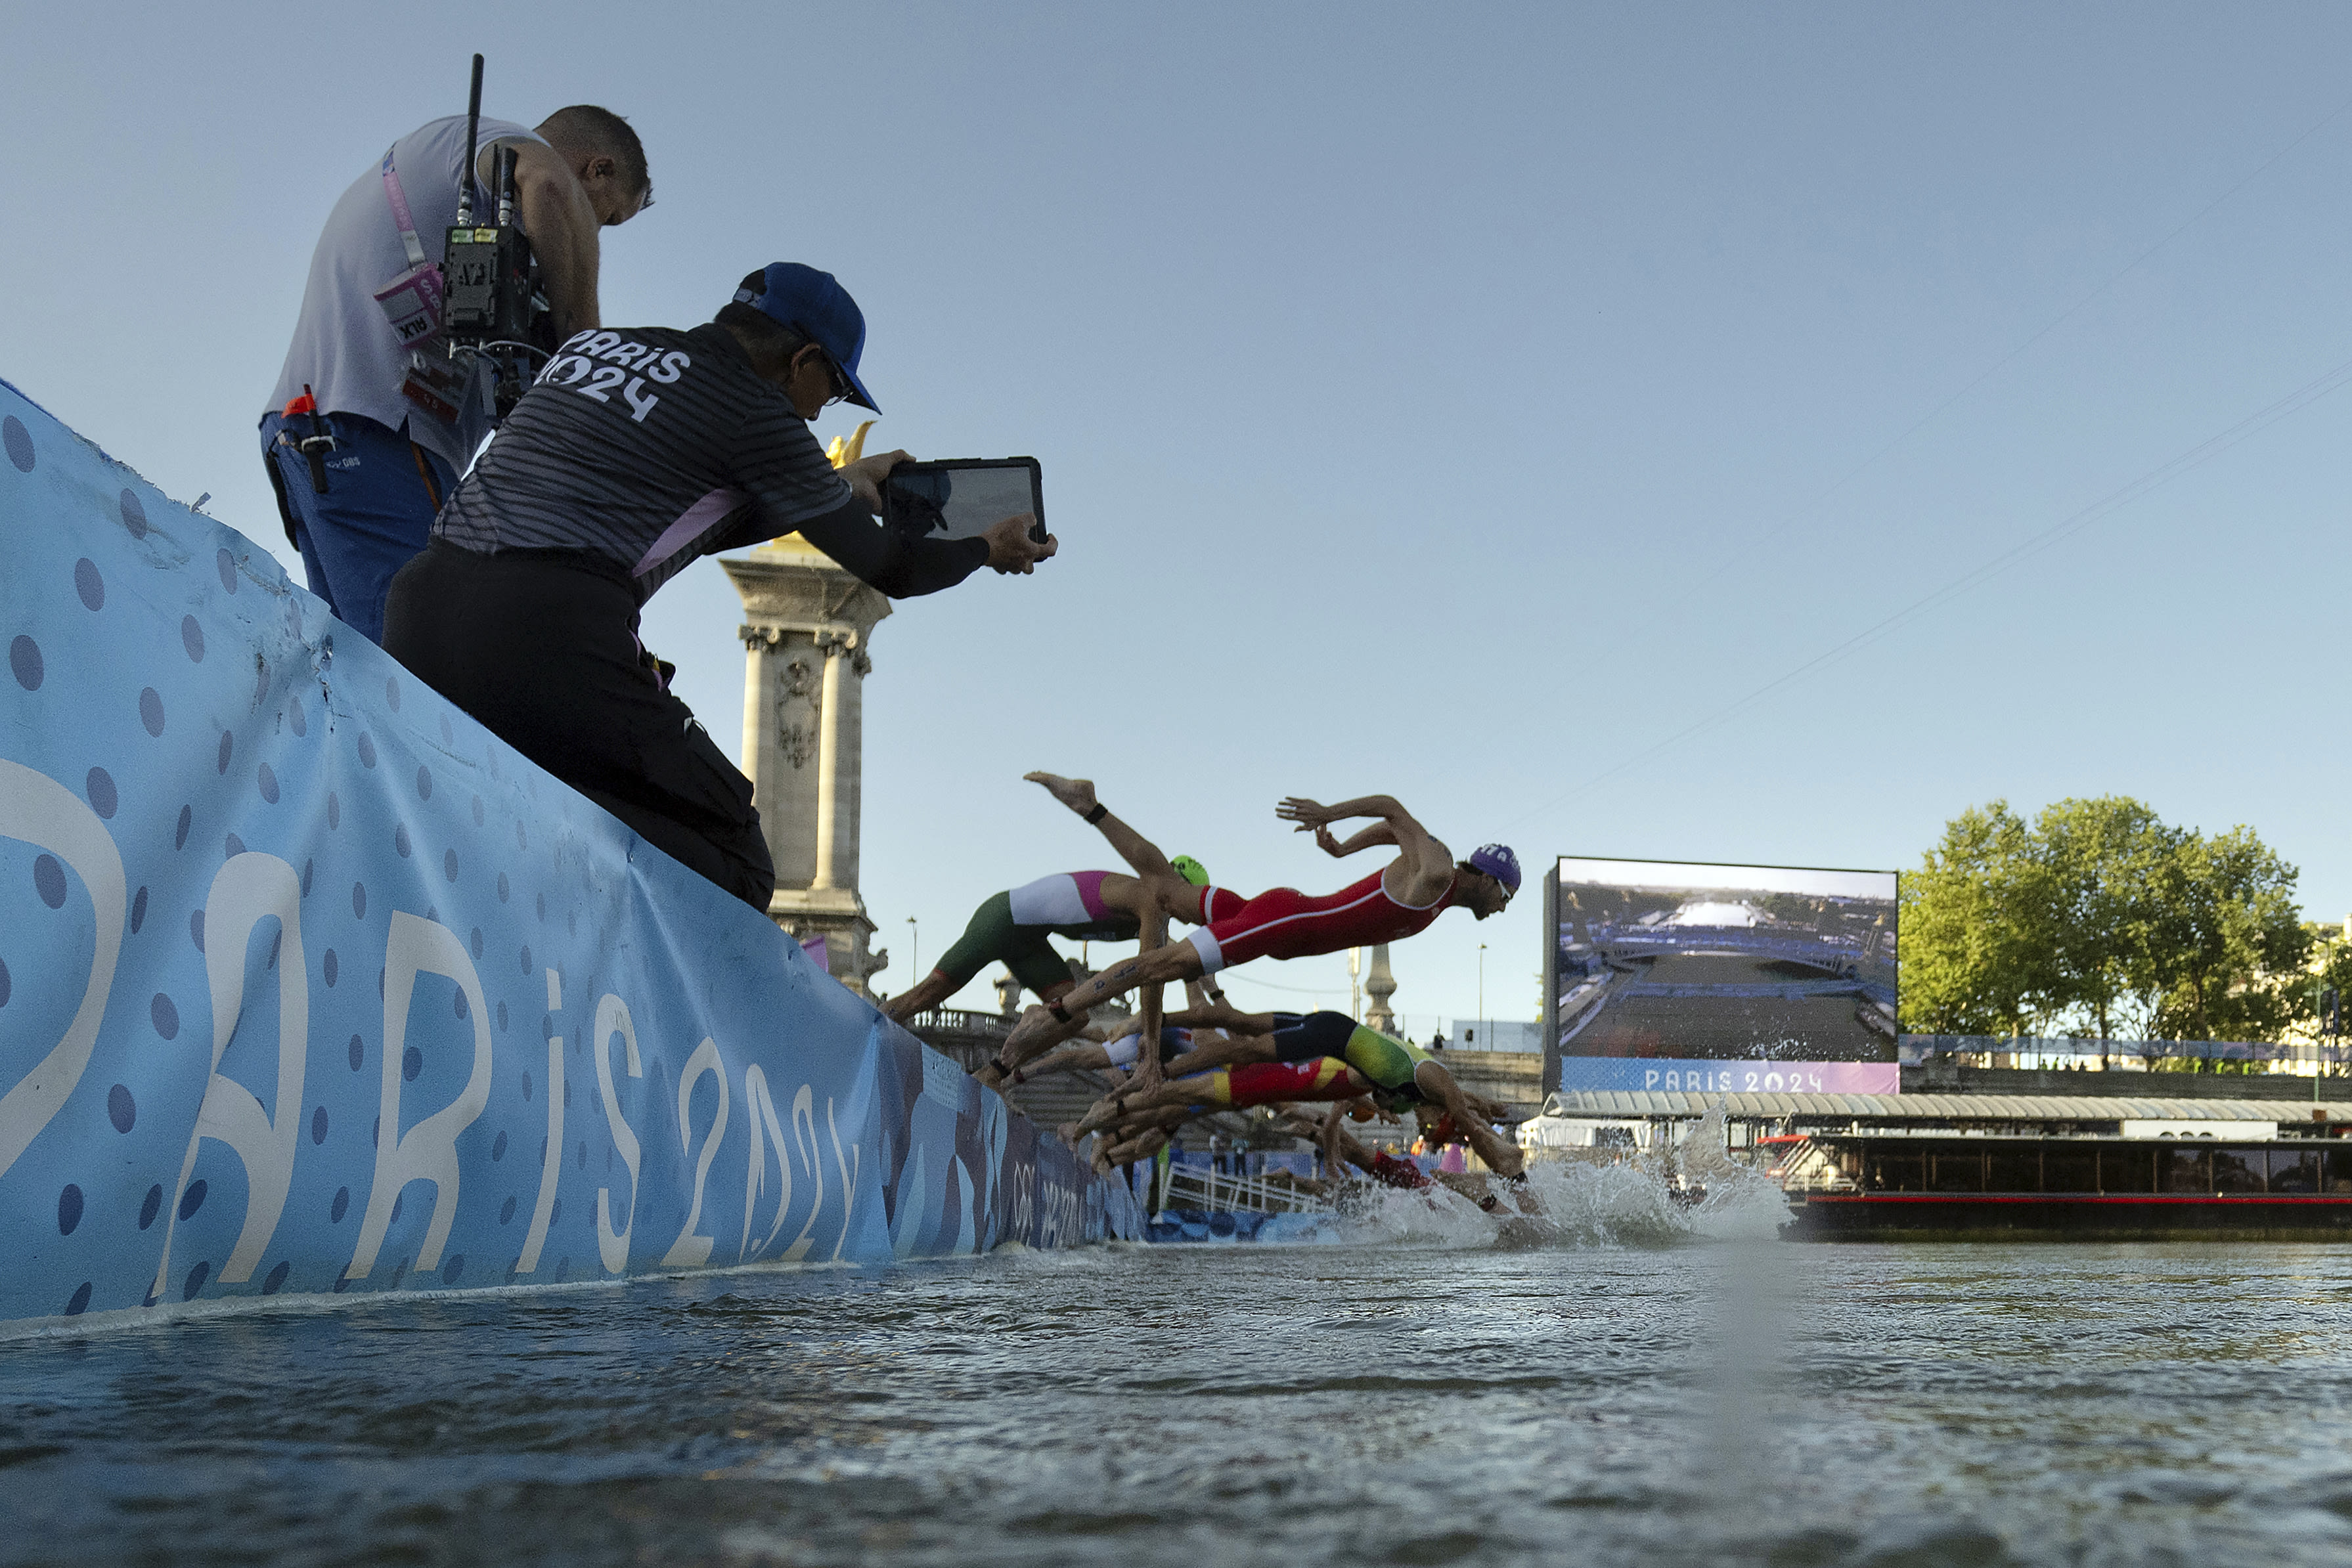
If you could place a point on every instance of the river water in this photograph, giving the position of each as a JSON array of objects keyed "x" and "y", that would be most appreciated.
[{"x": 1634, "y": 1385}]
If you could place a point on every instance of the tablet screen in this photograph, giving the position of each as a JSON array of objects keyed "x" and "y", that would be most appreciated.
[{"x": 962, "y": 500}]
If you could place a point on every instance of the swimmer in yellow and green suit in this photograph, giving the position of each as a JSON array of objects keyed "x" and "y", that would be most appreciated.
[{"x": 1344, "y": 1059}]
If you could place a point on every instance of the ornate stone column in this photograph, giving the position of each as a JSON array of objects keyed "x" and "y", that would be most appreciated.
[
  {"x": 805, "y": 637},
  {"x": 1380, "y": 985}
]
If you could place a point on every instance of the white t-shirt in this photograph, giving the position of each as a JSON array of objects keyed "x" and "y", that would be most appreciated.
[{"x": 344, "y": 346}]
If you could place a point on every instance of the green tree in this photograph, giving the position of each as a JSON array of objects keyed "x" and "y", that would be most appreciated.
[
  {"x": 2104, "y": 860},
  {"x": 2329, "y": 968},
  {"x": 2228, "y": 941},
  {"x": 1974, "y": 932},
  {"x": 2100, "y": 915}
]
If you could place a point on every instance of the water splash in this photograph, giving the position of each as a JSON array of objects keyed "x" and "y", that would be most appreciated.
[{"x": 1638, "y": 1200}]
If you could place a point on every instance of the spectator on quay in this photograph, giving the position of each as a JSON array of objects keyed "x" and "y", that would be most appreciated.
[
  {"x": 524, "y": 611},
  {"x": 403, "y": 425}
]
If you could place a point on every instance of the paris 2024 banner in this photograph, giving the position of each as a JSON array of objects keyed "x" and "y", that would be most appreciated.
[
  {"x": 1717, "y": 979},
  {"x": 308, "y": 985}
]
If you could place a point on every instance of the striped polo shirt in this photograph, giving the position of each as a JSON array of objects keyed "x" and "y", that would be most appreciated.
[{"x": 650, "y": 447}]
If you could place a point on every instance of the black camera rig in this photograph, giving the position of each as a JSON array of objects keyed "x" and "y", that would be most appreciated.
[{"x": 493, "y": 314}]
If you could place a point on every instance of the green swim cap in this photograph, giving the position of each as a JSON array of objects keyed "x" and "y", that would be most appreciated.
[{"x": 1191, "y": 870}]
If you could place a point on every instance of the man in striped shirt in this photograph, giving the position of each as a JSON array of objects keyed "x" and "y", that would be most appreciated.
[{"x": 635, "y": 452}]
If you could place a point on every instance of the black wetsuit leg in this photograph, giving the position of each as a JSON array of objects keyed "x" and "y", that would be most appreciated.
[
  {"x": 1301, "y": 1038},
  {"x": 542, "y": 647}
]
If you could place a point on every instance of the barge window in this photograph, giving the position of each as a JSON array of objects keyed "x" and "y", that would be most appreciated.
[
  {"x": 2237, "y": 1170},
  {"x": 2010, "y": 1168},
  {"x": 1900, "y": 1171},
  {"x": 2336, "y": 1171},
  {"x": 2126, "y": 1169},
  {"x": 2295, "y": 1170},
  {"x": 2185, "y": 1170},
  {"x": 2069, "y": 1167},
  {"x": 1955, "y": 1169}
]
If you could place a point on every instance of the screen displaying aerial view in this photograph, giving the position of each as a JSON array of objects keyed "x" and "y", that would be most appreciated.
[{"x": 1716, "y": 963}]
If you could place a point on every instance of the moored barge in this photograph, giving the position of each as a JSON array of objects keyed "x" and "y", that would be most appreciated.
[
  {"x": 1997, "y": 1167},
  {"x": 1873, "y": 1187}
]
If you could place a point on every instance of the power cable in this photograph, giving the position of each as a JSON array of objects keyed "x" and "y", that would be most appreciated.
[
  {"x": 2006, "y": 359},
  {"x": 2253, "y": 424},
  {"x": 1295, "y": 990}
]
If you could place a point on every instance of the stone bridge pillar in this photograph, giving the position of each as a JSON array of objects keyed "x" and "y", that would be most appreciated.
[
  {"x": 1380, "y": 986},
  {"x": 807, "y": 628}
]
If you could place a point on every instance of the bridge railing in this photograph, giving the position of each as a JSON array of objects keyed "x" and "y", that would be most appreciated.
[
  {"x": 1914, "y": 1049},
  {"x": 962, "y": 1020}
]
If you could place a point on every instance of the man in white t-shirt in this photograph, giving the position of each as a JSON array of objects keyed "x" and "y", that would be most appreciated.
[{"x": 400, "y": 441}]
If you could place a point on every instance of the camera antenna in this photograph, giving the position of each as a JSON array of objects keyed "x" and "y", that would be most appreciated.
[{"x": 473, "y": 133}]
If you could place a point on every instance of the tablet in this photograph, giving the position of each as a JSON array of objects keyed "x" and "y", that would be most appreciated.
[{"x": 962, "y": 498}]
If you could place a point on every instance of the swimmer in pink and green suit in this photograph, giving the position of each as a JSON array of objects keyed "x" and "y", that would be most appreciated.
[
  {"x": 1011, "y": 927},
  {"x": 1404, "y": 897}
]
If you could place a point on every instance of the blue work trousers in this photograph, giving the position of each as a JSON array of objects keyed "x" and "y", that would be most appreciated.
[{"x": 382, "y": 494}]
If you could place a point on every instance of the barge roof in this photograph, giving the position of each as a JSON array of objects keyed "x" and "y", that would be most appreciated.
[{"x": 1665, "y": 1104}]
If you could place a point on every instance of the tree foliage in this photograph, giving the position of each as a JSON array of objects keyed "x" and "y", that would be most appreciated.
[{"x": 2099, "y": 919}]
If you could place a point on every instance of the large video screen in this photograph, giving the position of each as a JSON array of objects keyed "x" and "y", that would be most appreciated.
[{"x": 1671, "y": 962}]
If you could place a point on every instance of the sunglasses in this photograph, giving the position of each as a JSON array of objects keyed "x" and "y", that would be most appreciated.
[{"x": 834, "y": 377}]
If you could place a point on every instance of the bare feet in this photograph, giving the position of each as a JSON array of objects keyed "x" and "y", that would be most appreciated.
[{"x": 1077, "y": 794}]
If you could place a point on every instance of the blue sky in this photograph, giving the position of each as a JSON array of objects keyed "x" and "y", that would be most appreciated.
[{"x": 1458, "y": 403}]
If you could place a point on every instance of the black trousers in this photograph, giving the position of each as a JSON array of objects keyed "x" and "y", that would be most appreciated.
[{"x": 542, "y": 647}]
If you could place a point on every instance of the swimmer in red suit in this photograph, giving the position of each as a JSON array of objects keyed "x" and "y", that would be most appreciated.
[{"x": 1403, "y": 898}]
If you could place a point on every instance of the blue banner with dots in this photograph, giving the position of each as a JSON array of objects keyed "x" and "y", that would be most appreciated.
[{"x": 310, "y": 984}]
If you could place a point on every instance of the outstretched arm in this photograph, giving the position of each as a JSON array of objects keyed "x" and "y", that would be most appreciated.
[
  {"x": 1429, "y": 865},
  {"x": 1079, "y": 795},
  {"x": 1331, "y": 1136},
  {"x": 1437, "y": 1084},
  {"x": 1076, "y": 1059},
  {"x": 1218, "y": 1015},
  {"x": 1210, "y": 1052},
  {"x": 1149, "y": 1015}
]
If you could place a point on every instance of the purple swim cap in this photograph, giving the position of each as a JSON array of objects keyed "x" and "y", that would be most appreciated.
[{"x": 1497, "y": 861}]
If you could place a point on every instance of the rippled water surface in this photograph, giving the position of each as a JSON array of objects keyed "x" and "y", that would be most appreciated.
[{"x": 1626, "y": 1392}]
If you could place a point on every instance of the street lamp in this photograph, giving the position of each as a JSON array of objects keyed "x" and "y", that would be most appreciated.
[
  {"x": 914, "y": 951},
  {"x": 1481, "y": 992}
]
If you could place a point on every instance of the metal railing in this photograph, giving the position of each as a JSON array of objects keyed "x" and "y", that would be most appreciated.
[{"x": 1210, "y": 1191}]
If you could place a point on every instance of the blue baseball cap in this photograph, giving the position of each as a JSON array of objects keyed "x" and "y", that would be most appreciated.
[
  {"x": 1497, "y": 861},
  {"x": 814, "y": 304}
]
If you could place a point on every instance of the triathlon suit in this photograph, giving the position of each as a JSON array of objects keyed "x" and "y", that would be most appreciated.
[
  {"x": 1287, "y": 923},
  {"x": 1267, "y": 1083},
  {"x": 1388, "y": 1064},
  {"x": 1126, "y": 1047},
  {"x": 1011, "y": 927}
]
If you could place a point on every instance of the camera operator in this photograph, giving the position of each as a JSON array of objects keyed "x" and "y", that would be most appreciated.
[
  {"x": 403, "y": 424},
  {"x": 635, "y": 453}
]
